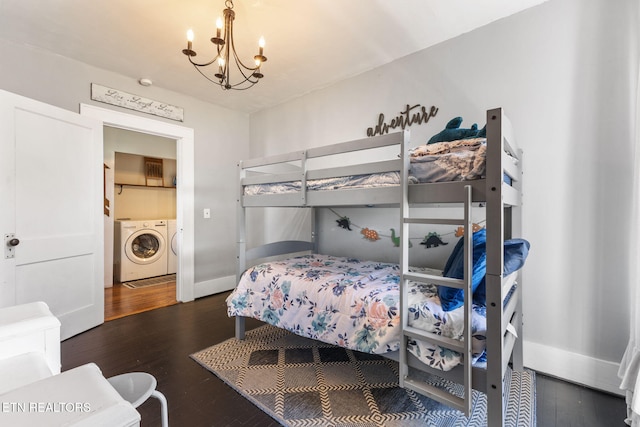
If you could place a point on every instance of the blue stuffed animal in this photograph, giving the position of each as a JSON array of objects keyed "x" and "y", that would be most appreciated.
[{"x": 453, "y": 132}]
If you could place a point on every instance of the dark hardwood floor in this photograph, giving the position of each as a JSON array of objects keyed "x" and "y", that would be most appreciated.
[
  {"x": 563, "y": 404},
  {"x": 160, "y": 341}
]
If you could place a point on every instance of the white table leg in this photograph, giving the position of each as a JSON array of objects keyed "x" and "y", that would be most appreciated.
[{"x": 163, "y": 405}]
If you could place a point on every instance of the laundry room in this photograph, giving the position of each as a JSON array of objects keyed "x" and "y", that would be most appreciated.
[{"x": 141, "y": 254}]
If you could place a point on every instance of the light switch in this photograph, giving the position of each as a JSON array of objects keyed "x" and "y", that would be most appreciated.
[{"x": 207, "y": 213}]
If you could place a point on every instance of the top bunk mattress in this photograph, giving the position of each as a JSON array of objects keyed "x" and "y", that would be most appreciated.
[{"x": 461, "y": 160}]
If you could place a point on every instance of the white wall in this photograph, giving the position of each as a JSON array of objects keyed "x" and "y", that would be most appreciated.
[
  {"x": 565, "y": 73},
  {"x": 142, "y": 144},
  {"x": 221, "y": 139}
]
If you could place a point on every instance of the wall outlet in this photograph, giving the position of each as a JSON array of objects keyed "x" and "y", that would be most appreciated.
[{"x": 207, "y": 213}]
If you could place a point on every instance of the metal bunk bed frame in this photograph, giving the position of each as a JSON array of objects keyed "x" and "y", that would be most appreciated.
[{"x": 503, "y": 221}]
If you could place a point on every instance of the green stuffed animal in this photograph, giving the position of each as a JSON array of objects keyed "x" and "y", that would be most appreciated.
[{"x": 453, "y": 132}]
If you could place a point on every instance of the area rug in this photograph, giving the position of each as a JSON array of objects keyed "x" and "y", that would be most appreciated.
[
  {"x": 153, "y": 281},
  {"x": 301, "y": 382}
]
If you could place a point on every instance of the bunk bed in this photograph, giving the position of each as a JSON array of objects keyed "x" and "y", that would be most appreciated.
[{"x": 497, "y": 187}]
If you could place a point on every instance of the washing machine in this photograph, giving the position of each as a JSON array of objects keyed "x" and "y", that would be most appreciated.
[
  {"x": 172, "y": 255},
  {"x": 140, "y": 249}
]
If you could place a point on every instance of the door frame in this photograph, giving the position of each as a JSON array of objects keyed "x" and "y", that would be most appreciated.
[{"x": 185, "y": 219}]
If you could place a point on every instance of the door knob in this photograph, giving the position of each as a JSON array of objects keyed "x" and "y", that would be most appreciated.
[{"x": 10, "y": 242}]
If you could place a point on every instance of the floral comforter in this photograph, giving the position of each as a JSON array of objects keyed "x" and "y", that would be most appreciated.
[{"x": 352, "y": 304}]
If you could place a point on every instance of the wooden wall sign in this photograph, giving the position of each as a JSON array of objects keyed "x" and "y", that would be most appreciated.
[
  {"x": 412, "y": 114},
  {"x": 134, "y": 102}
]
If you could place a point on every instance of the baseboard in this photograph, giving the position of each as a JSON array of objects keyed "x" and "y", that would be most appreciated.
[
  {"x": 214, "y": 286},
  {"x": 573, "y": 367}
]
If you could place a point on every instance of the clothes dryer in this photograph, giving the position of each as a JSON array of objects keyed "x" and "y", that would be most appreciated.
[
  {"x": 172, "y": 238},
  {"x": 140, "y": 249}
]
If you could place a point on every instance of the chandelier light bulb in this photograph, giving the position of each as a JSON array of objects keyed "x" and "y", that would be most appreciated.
[
  {"x": 261, "y": 42},
  {"x": 189, "y": 50},
  {"x": 218, "y": 26}
]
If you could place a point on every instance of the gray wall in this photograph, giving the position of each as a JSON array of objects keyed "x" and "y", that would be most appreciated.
[
  {"x": 566, "y": 74},
  {"x": 221, "y": 139}
]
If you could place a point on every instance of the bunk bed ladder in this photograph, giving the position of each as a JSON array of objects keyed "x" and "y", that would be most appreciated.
[
  {"x": 463, "y": 346},
  {"x": 241, "y": 247},
  {"x": 504, "y": 218}
]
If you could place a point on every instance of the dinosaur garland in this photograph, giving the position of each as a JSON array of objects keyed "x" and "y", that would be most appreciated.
[
  {"x": 460, "y": 230},
  {"x": 431, "y": 240},
  {"x": 344, "y": 222},
  {"x": 396, "y": 239},
  {"x": 370, "y": 234}
]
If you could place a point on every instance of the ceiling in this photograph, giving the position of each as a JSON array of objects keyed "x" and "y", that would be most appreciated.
[{"x": 310, "y": 44}]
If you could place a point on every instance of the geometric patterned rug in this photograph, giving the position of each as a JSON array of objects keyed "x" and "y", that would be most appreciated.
[{"x": 302, "y": 382}]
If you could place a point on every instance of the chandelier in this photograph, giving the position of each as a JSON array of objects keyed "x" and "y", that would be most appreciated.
[{"x": 226, "y": 55}]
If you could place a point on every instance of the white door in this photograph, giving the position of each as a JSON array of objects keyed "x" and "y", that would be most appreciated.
[{"x": 51, "y": 183}]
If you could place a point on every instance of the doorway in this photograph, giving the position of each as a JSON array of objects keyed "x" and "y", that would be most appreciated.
[
  {"x": 184, "y": 188},
  {"x": 140, "y": 191}
]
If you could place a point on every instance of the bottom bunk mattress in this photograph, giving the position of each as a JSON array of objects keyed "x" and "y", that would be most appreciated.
[{"x": 352, "y": 304}]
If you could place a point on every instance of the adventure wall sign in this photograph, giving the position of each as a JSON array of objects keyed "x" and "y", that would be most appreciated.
[{"x": 416, "y": 114}]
